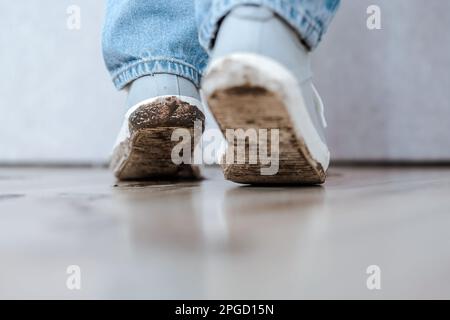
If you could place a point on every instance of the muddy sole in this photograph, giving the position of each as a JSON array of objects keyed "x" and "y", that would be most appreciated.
[
  {"x": 146, "y": 154},
  {"x": 251, "y": 107}
]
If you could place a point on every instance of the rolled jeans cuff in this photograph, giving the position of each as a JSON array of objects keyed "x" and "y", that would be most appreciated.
[
  {"x": 310, "y": 31},
  {"x": 146, "y": 67}
]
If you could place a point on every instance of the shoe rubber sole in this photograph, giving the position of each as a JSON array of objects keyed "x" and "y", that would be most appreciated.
[
  {"x": 146, "y": 152},
  {"x": 239, "y": 98}
]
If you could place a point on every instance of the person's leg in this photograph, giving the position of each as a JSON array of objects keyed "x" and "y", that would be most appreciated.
[
  {"x": 152, "y": 49},
  {"x": 310, "y": 18},
  {"x": 259, "y": 77},
  {"x": 142, "y": 37}
]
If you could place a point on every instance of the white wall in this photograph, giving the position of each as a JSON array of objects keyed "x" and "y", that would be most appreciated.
[
  {"x": 387, "y": 91},
  {"x": 56, "y": 100}
]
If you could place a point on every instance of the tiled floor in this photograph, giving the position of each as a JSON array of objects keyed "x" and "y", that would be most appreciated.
[{"x": 215, "y": 239}]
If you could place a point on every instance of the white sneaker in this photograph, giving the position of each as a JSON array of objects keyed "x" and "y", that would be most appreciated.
[
  {"x": 158, "y": 105},
  {"x": 260, "y": 78}
]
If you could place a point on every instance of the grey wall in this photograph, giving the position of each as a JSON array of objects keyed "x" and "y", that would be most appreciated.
[{"x": 387, "y": 91}]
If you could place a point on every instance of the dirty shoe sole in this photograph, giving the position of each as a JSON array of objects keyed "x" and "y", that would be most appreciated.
[
  {"x": 248, "y": 91},
  {"x": 144, "y": 147}
]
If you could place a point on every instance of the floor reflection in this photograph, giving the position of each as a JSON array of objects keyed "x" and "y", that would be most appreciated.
[
  {"x": 160, "y": 214},
  {"x": 215, "y": 215}
]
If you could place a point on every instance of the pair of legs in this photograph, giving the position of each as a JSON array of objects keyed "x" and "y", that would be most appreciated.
[{"x": 258, "y": 78}]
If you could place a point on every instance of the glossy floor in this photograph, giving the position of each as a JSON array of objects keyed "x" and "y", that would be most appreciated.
[{"x": 216, "y": 239}]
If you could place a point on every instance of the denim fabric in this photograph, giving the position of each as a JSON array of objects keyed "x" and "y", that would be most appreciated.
[{"x": 142, "y": 37}]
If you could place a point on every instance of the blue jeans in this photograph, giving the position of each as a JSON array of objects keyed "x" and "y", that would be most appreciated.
[{"x": 145, "y": 37}]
